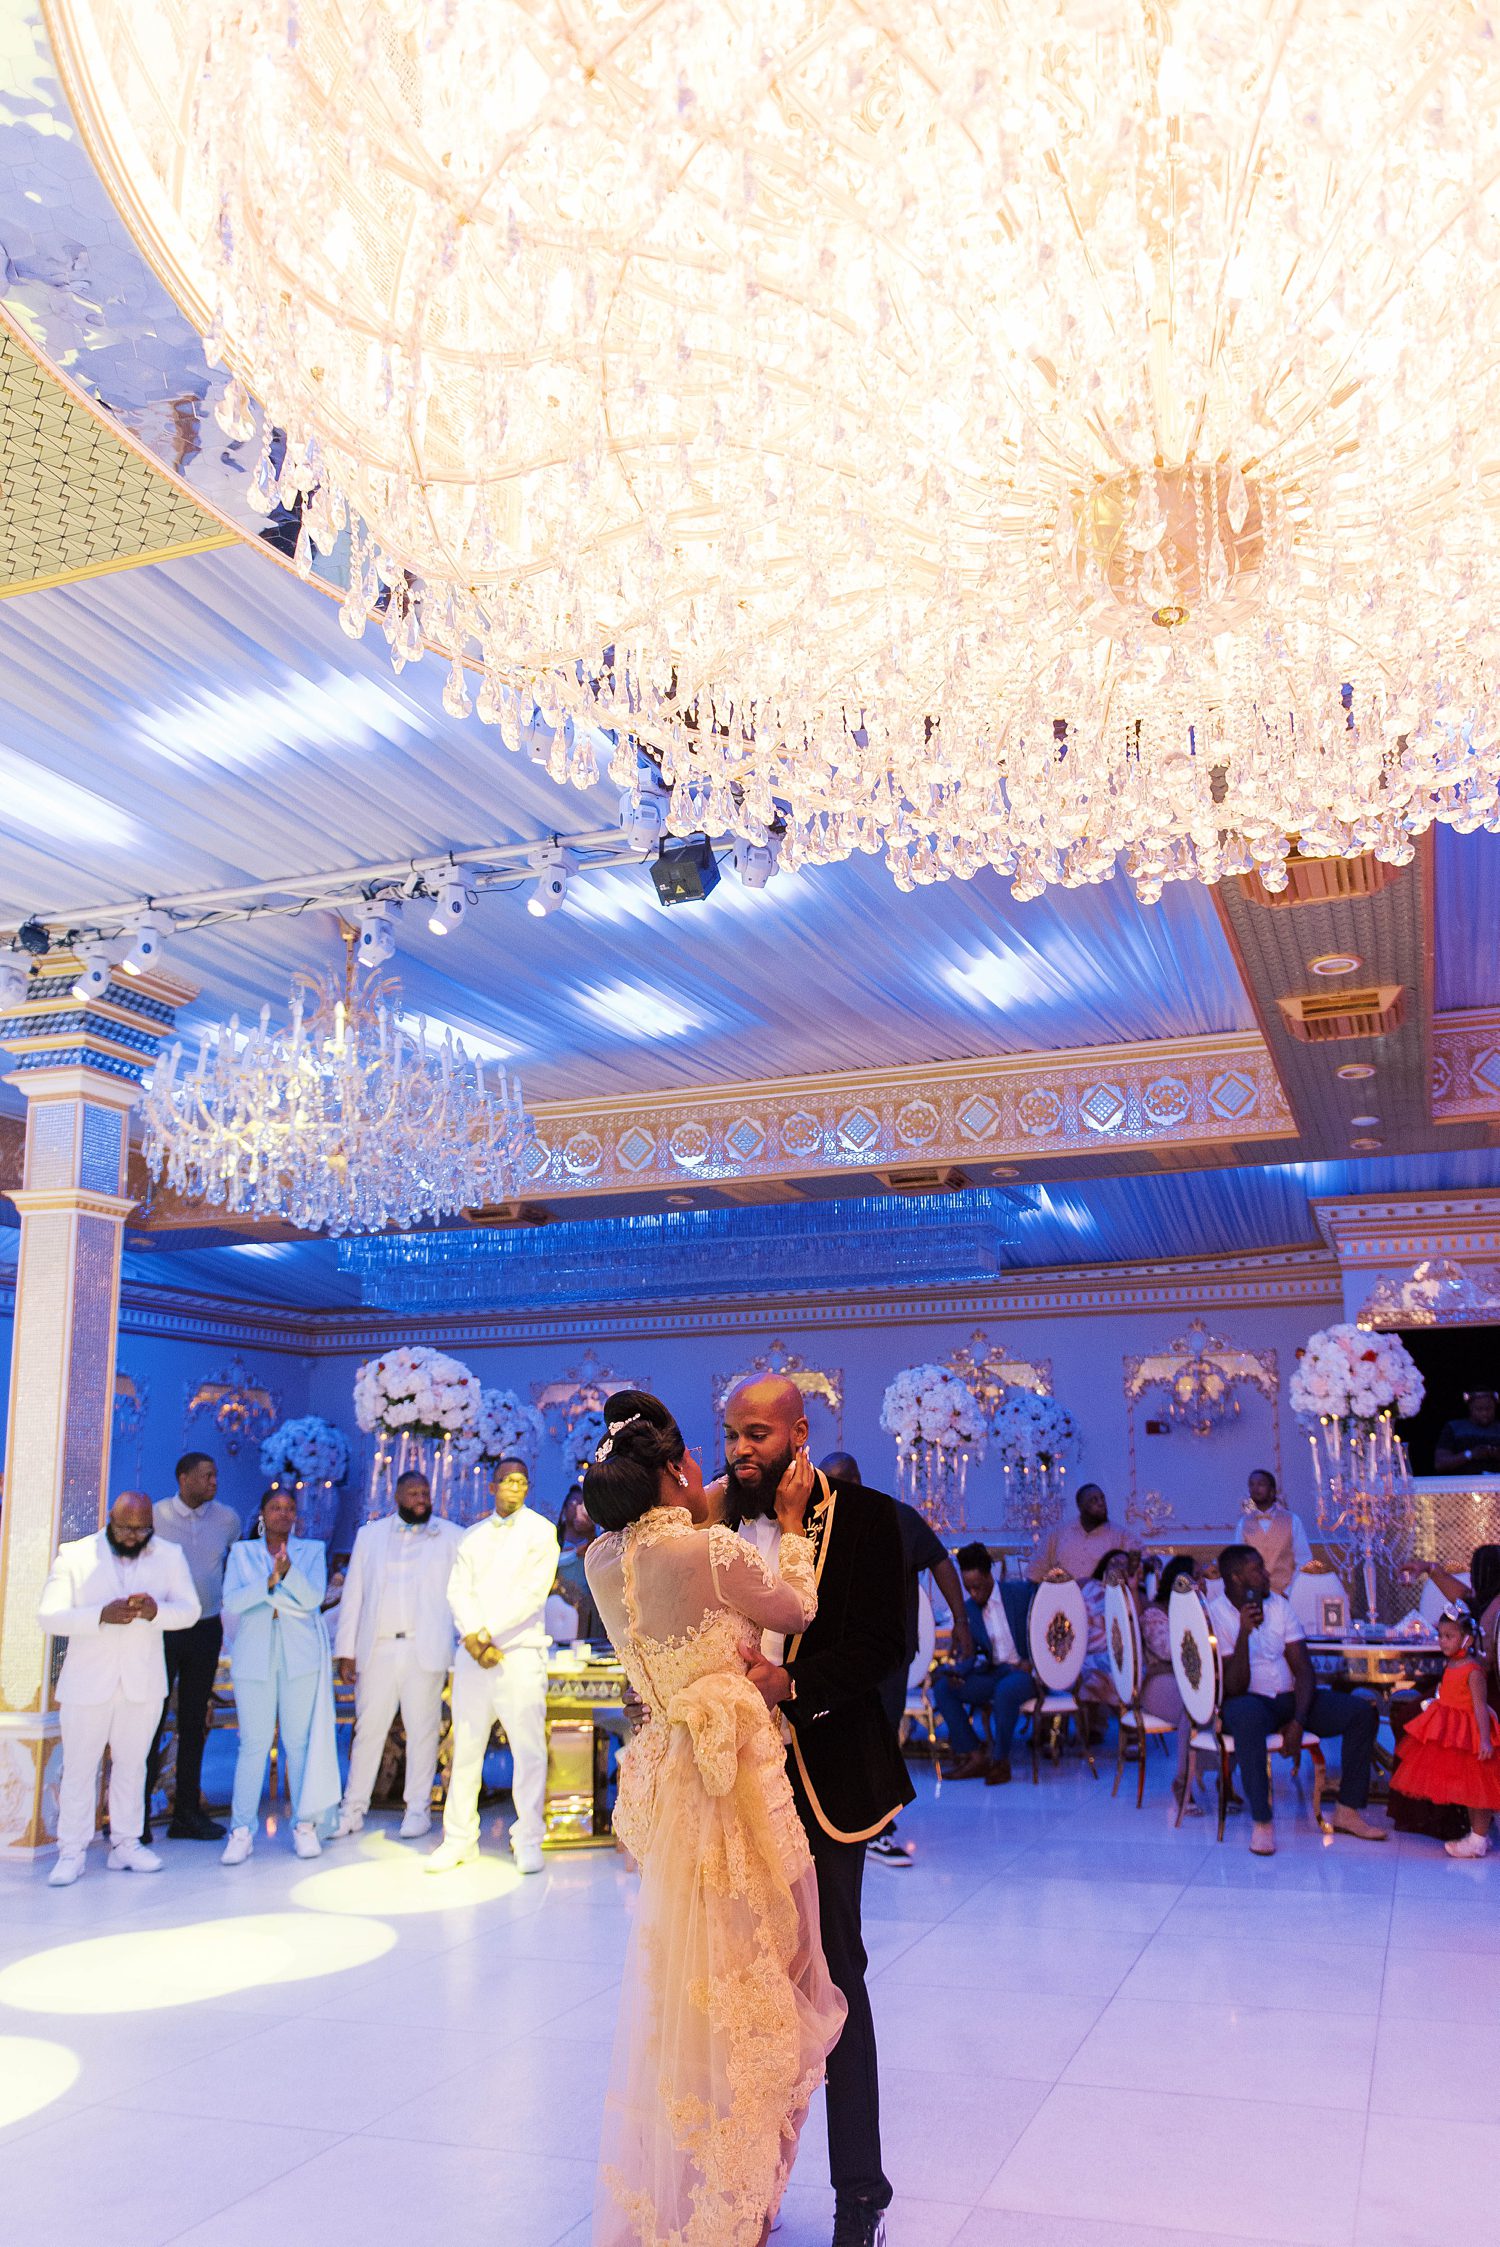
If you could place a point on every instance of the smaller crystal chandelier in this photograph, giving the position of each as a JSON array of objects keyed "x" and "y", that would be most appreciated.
[{"x": 345, "y": 1121}]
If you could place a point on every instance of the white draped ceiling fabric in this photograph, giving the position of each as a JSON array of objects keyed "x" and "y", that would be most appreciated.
[{"x": 1004, "y": 436}]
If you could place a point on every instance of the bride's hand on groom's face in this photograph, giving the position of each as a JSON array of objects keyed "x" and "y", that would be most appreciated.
[{"x": 793, "y": 1492}]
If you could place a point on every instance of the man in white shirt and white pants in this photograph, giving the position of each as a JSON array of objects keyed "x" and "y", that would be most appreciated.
[
  {"x": 394, "y": 1646},
  {"x": 502, "y": 1574},
  {"x": 112, "y": 1596},
  {"x": 1270, "y": 1687}
]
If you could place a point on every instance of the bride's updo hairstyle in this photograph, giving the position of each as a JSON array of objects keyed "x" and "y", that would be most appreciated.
[{"x": 642, "y": 1439}]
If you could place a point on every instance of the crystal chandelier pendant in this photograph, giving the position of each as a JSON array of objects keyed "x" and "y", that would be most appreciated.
[
  {"x": 1055, "y": 452},
  {"x": 344, "y": 1121}
]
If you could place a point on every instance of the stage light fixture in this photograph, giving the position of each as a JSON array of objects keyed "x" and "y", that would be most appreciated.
[
  {"x": 552, "y": 869},
  {"x": 685, "y": 873},
  {"x": 147, "y": 939},
  {"x": 450, "y": 904},
  {"x": 33, "y": 939},
  {"x": 643, "y": 817},
  {"x": 13, "y": 981},
  {"x": 755, "y": 863},
  {"x": 376, "y": 922},
  {"x": 93, "y": 979}
]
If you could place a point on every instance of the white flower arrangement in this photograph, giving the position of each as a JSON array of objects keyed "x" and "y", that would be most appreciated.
[
  {"x": 929, "y": 1404},
  {"x": 584, "y": 1438},
  {"x": 417, "y": 1392},
  {"x": 504, "y": 1428},
  {"x": 1031, "y": 1430},
  {"x": 1346, "y": 1374},
  {"x": 306, "y": 1450}
]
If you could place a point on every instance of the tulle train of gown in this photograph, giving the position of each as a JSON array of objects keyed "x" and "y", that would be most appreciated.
[{"x": 727, "y": 2012}]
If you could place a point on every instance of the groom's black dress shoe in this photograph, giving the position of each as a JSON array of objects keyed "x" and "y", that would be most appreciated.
[{"x": 856, "y": 2223}]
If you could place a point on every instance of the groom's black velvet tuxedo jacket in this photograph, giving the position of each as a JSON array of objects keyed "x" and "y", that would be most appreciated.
[{"x": 846, "y": 1766}]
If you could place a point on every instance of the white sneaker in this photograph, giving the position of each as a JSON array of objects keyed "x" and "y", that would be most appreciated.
[
  {"x": 238, "y": 1847},
  {"x": 1472, "y": 1845},
  {"x": 414, "y": 1825},
  {"x": 350, "y": 1822},
  {"x": 528, "y": 1858},
  {"x": 1262, "y": 1838},
  {"x": 66, "y": 1871},
  {"x": 449, "y": 1855},
  {"x": 133, "y": 1856},
  {"x": 305, "y": 1840}
]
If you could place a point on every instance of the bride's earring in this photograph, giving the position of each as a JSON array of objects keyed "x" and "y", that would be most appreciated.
[{"x": 681, "y": 1477}]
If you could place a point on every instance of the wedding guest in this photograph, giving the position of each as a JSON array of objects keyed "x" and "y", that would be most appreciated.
[
  {"x": 1160, "y": 1695},
  {"x": 283, "y": 1676},
  {"x": 1481, "y": 1595},
  {"x": 1270, "y": 1686},
  {"x": 204, "y": 1528},
  {"x": 502, "y": 1573},
  {"x": 1078, "y": 1547},
  {"x": 922, "y": 1551},
  {"x": 1472, "y": 1444},
  {"x": 1276, "y": 1533},
  {"x": 114, "y": 1597},
  {"x": 993, "y": 1676},
  {"x": 1096, "y": 1680},
  {"x": 1447, "y": 1753},
  {"x": 575, "y": 1533},
  {"x": 394, "y": 1645}
]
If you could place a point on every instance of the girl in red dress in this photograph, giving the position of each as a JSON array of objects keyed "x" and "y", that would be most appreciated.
[{"x": 1448, "y": 1752}]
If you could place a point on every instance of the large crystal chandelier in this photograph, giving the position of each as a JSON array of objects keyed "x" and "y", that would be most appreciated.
[
  {"x": 347, "y": 1120},
  {"x": 1001, "y": 434}
]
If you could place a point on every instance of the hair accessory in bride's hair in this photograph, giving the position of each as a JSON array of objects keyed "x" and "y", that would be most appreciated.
[{"x": 608, "y": 1445}]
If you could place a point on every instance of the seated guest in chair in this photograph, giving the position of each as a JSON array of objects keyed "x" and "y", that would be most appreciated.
[
  {"x": 1078, "y": 1546},
  {"x": 1471, "y": 1445},
  {"x": 994, "y": 1677},
  {"x": 1270, "y": 1686}
]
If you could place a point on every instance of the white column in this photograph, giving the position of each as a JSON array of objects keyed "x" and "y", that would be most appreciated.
[{"x": 79, "y": 1064}]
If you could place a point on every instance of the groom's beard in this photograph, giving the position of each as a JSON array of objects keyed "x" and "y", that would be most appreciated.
[{"x": 756, "y": 1500}]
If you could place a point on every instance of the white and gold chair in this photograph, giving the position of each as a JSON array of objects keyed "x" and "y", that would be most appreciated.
[
  {"x": 1198, "y": 1667},
  {"x": 1058, "y": 1639},
  {"x": 919, "y": 1703},
  {"x": 1127, "y": 1667}
]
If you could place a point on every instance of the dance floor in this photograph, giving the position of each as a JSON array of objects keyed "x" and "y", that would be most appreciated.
[{"x": 1095, "y": 2032}]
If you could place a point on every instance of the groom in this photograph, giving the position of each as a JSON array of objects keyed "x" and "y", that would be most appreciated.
[{"x": 846, "y": 1770}]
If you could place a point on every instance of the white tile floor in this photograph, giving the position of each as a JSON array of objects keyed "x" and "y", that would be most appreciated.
[{"x": 1096, "y": 2031}]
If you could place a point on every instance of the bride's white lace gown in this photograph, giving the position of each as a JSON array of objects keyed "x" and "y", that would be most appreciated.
[{"x": 727, "y": 2012}]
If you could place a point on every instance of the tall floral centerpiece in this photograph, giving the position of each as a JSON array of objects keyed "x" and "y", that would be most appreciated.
[
  {"x": 309, "y": 1457},
  {"x": 1348, "y": 1388},
  {"x": 1037, "y": 1440},
  {"x": 503, "y": 1428},
  {"x": 938, "y": 1429},
  {"x": 416, "y": 1403}
]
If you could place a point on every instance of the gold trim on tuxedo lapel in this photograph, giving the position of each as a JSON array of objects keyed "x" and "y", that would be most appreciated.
[{"x": 819, "y": 1531}]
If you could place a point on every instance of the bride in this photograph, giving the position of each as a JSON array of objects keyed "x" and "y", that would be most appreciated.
[{"x": 727, "y": 2012}]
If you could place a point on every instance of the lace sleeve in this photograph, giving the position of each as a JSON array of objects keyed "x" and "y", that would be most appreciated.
[{"x": 742, "y": 1581}]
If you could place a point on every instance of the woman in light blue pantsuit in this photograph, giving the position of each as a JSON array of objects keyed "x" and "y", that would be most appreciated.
[{"x": 274, "y": 1584}]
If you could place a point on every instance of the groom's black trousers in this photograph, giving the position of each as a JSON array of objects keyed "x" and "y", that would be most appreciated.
[{"x": 853, "y": 2084}]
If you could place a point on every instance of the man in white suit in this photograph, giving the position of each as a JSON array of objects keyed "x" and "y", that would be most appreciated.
[
  {"x": 498, "y": 1594},
  {"x": 112, "y": 1596},
  {"x": 395, "y": 1646}
]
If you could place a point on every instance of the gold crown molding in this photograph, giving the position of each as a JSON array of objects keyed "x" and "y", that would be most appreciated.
[
  {"x": 1404, "y": 1229},
  {"x": 79, "y": 495},
  {"x": 1466, "y": 1066},
  {"x": 1173, "y": 1093}
]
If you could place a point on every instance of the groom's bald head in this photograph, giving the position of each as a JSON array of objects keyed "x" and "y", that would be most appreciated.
[{"x": 765, "y": 1424}]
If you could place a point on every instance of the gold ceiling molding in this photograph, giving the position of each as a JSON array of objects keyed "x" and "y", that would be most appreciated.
[
  {"x": 1180, "y": 1092},
  {"x": 1395, "y": 1231},
  {"x": 78, "y": 497}
]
